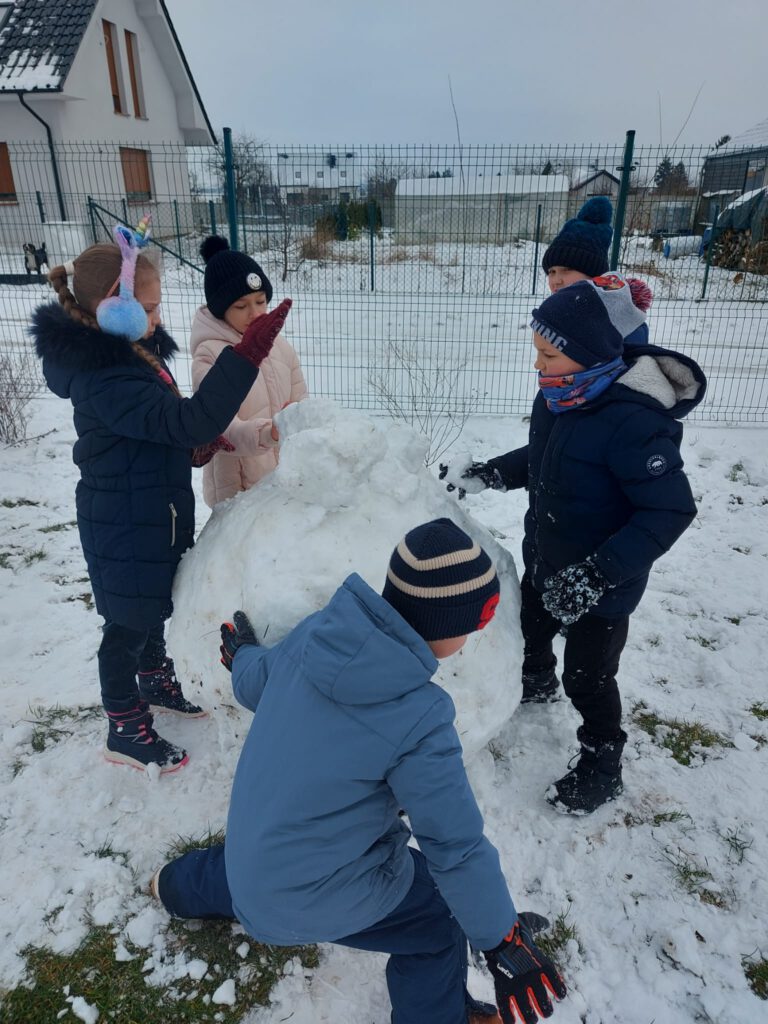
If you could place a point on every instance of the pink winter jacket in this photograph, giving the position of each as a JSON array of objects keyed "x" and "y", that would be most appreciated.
[{"x": 280, "y": 381}]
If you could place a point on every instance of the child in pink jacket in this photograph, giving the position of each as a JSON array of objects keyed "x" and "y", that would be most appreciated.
[{"x": 237, "y": 291}]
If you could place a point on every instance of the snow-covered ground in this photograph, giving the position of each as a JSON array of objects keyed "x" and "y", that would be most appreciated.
[{"x": 667, "y": 888}]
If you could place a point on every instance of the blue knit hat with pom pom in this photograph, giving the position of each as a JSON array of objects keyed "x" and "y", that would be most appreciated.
[{"x": 583, "y": 241}]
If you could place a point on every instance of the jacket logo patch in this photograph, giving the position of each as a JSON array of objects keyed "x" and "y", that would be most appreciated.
[
  {"x": 656, "y": 465},
  {"x": 254, "y": 282}
]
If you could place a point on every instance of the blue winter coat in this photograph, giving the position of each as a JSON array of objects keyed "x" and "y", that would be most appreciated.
[
  {"x": 606, "y": 479},
  {"x": 348, "y": 728},
  {"x": 135, "y": 504}
]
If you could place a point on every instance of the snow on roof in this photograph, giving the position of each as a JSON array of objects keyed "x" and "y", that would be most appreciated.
[
  {"x": 757, "y": 135},
  {"x": 745, "y": 198},
  {"x": 582, "y": 175},
  {"x": 38, "y": 43},
  {"x": 483, "y": 185}
]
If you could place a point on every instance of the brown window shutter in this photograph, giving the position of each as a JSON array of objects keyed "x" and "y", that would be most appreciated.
[
  {"x": 109, "y": 47},
  {"x": 138, "y": 182},
  {"x": 7, "y": 184},
  {"x": 132, "y": 49}
]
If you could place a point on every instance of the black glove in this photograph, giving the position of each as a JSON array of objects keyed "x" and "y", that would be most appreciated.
[
  {"x": 574, "y": 590},
  {"x": 523, "y": 976},
  {"x": 480, "y": 473},
  {"x": 233, "y": 636}
]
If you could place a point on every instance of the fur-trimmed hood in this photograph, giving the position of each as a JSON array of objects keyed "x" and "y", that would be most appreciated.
[
  {"x": 68, "y": 347},
  {"x": 669, "y": 379}
]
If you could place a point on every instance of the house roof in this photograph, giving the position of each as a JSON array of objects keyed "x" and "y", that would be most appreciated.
[
  {"x": 483, "y": 185},
  {"x": 755, "y": 136},
  {"x": 38, "y": 43},
  {"x": 40, "y": 39},
  {"x": 583, "y": 176}
]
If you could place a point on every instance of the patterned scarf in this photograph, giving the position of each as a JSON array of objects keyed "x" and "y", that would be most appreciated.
[{"x": 573, "y": 390}]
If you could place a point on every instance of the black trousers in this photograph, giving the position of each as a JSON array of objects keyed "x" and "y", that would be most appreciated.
[
  {"x": 124, "y": 652},
  {"x": 593, "y": 647}
]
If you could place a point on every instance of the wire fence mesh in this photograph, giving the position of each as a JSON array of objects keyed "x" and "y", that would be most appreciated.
[{"x": 414, "y": 268}]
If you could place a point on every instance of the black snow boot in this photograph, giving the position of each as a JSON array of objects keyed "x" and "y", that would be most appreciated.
[
  {"x": 595, "y": 778},
  {"x": 540, "y": 687},
  {"x": 162, "y": 690},
  {"x": 133, "y": 741}
]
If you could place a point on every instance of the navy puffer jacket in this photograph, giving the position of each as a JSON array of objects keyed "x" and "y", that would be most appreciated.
[
  {"x": 607, "y": 479},
  {"x": 135, "y": 504}
]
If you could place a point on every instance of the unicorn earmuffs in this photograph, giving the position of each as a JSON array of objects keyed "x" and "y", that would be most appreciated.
[{"x": 122, "y": 314}]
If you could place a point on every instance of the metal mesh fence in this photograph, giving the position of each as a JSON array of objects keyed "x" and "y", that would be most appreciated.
[{"x": 413, "y": 268}]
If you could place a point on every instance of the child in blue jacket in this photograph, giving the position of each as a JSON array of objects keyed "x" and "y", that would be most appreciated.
[
  {"x": 347, "y": 729},
  {"x": 607, "y": 497}
]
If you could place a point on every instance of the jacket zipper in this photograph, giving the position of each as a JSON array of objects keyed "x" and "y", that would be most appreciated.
[{"x": 174, "y": 513}]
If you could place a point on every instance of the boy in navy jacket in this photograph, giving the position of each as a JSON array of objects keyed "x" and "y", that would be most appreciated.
[
  {"x": 607, "y": 497},
  {"x": 348, "y": 728}
]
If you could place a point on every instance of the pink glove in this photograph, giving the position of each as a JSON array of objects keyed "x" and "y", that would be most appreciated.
[
  {"x": 259, "y": 337},
  {"x": 203, "y": 454}
]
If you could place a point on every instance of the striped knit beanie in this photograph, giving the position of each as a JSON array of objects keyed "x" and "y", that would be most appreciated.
[{"x": 441, "y": 581}]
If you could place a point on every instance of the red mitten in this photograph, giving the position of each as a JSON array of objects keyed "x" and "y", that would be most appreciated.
[
  {"x": 259, "y": 337},
  {"x": 203, "y": 454}
]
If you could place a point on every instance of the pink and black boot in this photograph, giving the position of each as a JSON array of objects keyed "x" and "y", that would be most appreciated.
[{"x": 162, "y": 691}]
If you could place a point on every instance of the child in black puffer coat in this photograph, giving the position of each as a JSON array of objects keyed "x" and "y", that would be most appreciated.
[
  {"x": 137, "y": 440},
  {"x": 607, "y": 497}
]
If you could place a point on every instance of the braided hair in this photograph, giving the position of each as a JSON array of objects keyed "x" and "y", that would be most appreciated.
[{"x": 81, "y": 285}]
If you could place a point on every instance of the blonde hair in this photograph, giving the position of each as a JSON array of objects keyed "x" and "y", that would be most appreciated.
[{"x": 96, "y": 272}]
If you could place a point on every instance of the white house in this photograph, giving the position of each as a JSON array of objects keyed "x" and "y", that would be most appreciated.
[
  {"x": 96, "y": 99},
  {"x": 311, "y": 175},
  {"x": 493, "y": 209}
]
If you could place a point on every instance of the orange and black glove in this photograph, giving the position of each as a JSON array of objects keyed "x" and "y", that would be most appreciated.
[
  {"x": 233, "y": 636},
  {"x": 523, "y": 976},
  {"x": 259, "y": 337}
]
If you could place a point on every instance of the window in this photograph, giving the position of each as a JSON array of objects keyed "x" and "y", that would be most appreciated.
[
  {"x": 115, "y": 70},
  {"x": 297, "y": 174},
  {"x": 138, "y": 183},
  {"x": 7, "y": 186},
  {"x": 134, "y": 71},
  {"x": 320, "y": 174},
  {"x": 5, "y": 12},
  {"x": 342, "y": 174}
]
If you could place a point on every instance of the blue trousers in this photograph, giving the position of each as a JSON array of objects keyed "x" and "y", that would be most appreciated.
[
  {"x": 124, "y": 652},
  {"x": 427, "y": 967}
]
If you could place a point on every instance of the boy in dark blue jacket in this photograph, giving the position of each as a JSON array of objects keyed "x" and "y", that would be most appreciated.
[
  {"x": 348, "y": 728},
  {"x": 607, "y": 497}
]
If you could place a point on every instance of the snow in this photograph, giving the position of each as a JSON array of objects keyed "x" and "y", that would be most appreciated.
[
  {"x": 484, "y": 185},
  {"x": 648, "y": 949},
  {"x": 346, "y": 491}
]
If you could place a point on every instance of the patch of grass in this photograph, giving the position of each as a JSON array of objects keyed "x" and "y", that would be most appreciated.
[
  {"x": 57, "y": 526},
  {"x": 691, "y": 878},
  {"x": 18, "y": 502},
  {"x": 555, "y": 939},
  {"x": 705, "y": 642},
  {"x": 736, "y": 471},
  {"x": 106, "y": 850},
  {"x": 663, "y": 817},
  {"x": 737, "y": 843},
  {"x": 53, "y": 724},
  {"x": 35, "y": 556},
  {"x": 756, "y": 973},
  {"x": 684, "y": 739},
  {"x": 735, "y": 620},
  {"x": 741, "y": 550},
  {"x": 183, "y": 844},
  {"x": 759, "y": 709},
  {"x": 5, "y": 560},
  {"x": 119, "y": 989}
]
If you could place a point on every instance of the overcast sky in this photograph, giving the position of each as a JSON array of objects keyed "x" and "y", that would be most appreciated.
[{"x": 368, "y": 71}]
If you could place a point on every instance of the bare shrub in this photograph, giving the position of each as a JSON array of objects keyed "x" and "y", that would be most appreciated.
[
  {"x": 424, "y": 397},
  {"x": 18, "y": 385},
  {"x": 314, "y": 248}
]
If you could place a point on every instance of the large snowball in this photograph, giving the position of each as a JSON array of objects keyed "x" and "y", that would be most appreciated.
[{"x": 346, "y": 491}]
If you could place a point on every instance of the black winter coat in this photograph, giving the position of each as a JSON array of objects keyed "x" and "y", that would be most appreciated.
[
  {"x": 606, "y": 479},
  {"x": 135, "y": 504}
]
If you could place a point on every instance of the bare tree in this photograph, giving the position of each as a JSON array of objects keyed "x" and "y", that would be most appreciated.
[{"x": 18, "y": 385}]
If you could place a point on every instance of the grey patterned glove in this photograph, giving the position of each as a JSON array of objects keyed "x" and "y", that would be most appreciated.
[{"x": 574, "y": 590}]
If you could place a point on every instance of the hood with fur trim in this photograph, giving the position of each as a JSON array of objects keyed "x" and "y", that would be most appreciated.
[
  {"x": 68, "y": 347},
  {"x": 673, "y": 380}
]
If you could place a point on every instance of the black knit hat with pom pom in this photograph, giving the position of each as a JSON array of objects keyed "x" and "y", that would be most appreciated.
[
  {"x": 229, "y": 275},
  {"x": 582, "y": 242}
]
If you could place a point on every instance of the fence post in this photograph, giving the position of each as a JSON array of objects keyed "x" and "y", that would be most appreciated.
[
  {"x": 40, "y": 206},
  {"x": 92, "y": 219},
  {"x": 709, "y": 253},
  {"x": 621, "y": 202},
  {"x": 537, "y": 236},
  {"x": 178, "y": 225},
  {"x": 242, "y": 222},
  {"x": 229, "y": 185},
  {"x": 372, "y": 232},
  {"x": 212, "y": 215}
]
